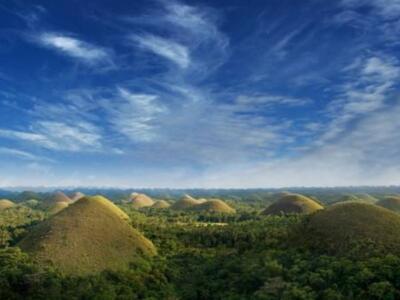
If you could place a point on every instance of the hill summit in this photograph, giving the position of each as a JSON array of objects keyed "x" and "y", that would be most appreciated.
[
  {"x": 161, "y": 204},
  {"x": 186, "y": 202},
  {"x": 141, "y": 200},
  {"x": 5, "y": 203},
  {"x": 89, "y": 236},
  {"x": 352, "y": 227},
  {"x": 292, "y": 204},
  {"x": 214, "y": 206}
]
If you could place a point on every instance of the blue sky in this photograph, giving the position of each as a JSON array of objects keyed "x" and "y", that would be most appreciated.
[{"x": 199, "y": 93}]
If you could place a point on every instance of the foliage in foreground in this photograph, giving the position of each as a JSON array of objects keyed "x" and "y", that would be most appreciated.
[{"x": 248, "y": 257}]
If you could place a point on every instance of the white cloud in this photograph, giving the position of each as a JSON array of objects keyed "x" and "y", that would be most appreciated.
[
  {"x": 165, "y": 48},
  {"x": 134, "y": 115},
  {"x": 18, "y": 153},
  {"x": 59, "y": 136},
  {"x": 257, "y": 101},
  {"x": 74, "y": 47},
  {"x": 371, "y": 82}
]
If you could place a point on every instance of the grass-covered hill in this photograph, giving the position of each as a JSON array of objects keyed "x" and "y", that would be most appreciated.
[
  {"x": 390, "y": 202},
  {"x": 352, "y": 227},
  {"x": 140, "y": 200},
  {"x": 57, "y": 207},
  {"x": 88, "y": 236},
  {"x": 186, "y": 202},
  {"x": 161, "y": 204},
  {"x": 32, "y": 203},
  {"x": 292, "y": 204},
  {"x": 5, "y": 203},
  {"x": 363, "y": 197},
  {"x": 214, "y": 206},
  {"x": 53, "y": 198}
]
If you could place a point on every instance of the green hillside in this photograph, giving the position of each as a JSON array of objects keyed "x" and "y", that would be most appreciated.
[{"x": 352, "y": 227}]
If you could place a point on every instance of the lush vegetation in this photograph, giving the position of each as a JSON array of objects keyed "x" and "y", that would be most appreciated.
[{"x": 206, "y": 256}]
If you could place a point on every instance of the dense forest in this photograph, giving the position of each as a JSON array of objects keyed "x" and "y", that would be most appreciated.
[{"x": 207, "y": 255}]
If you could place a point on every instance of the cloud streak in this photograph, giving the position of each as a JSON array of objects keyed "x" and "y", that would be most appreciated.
[
  {"x": 165, "y": 48},
  {"x": 74, "y": 47}
]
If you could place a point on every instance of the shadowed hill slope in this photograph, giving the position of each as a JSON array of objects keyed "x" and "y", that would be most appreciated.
[
  {"x": 352, "y": 227},
  {"x": 88, "y": 236},
  {"x": 292, "y": 204},
  {"x": 390, "y": 202}
]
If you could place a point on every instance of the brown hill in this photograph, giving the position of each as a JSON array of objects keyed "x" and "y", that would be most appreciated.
[
  {"x": 5, "y": 203},
  {"x": 186, "y": 202},
  {"x": 352, "y": 227},
  {"x": 214, "y": 206},
  {"x": 161, "y": 204},
  {"x": 140, "y": 200},
  {"x": 89, "y": 236},
  {"x": 292, "y": 204}
]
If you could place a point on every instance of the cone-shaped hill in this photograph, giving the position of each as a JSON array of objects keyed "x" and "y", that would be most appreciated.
[
  {"x": 76, "y": 196},
  {"x": 60, "y": 197},
  {"x": 141, "y": 200},
  {"x": 390, "y": 202},
  {"x": 4, "y": 204},
  {"x": 214, "y": 206},
  {"x": 56, "y": 207},
  {"x": 54, "y": 198},
  {"x": 88, "y": 236},
  {"x": 350, "y": 228},
  {"x": 32, "y": 203},
  {"x": 161, "y": 204},
  {"x": 292, "y": 204},
  {"x": 187, "y": 202}
]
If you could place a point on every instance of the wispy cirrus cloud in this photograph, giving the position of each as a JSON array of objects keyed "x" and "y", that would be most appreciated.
[
  {"x": 58, "y": 136},
  {"x": 386, "y": 8},
  {"x": 166, "y": 48},
  {"x": 134, "y": 115},
  {"x": 372, "y": 80},
  {"x": 74, "y": 47},
  {"x": 19, "y": 153}
]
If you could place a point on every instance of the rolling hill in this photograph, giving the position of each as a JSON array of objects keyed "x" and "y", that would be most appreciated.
[
  {"x": 161, "y": 204},
  {"x": 5, "y": 203},
  {"x": 57, "y": 207},
  {"x": 292, "y": 204},
  {"x": 213, "y": 206},
  {"x": 186, "y": 202},
  {"x": 89, "y": 236},
  {"x": 352, "y": 227},
  {"x": 140, "y": 200}
]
